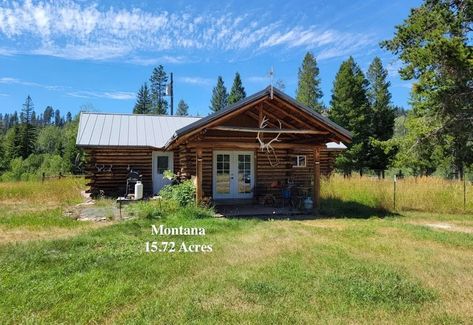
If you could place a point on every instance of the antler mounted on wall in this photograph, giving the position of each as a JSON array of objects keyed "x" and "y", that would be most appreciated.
[{"x": 267, "y": 146}]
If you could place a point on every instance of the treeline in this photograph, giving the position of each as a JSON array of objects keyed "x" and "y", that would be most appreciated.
[
  {"x": 32, "y": 144},
  {"x": 152, "y": 99},
  {"x": 435, "y": 136},
  {"x": 360, "y": 103}
]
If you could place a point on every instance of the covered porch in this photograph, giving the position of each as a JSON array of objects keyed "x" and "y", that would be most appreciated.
[{"x": 265, "y": 148}]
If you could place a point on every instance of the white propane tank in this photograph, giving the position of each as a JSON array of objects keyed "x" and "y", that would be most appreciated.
[
  {"x": 308, "y": 203},
  {"x": 138, "y": 190}
]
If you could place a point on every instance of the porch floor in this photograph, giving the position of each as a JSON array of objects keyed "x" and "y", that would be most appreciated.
[{"x": 256, "y": 210}]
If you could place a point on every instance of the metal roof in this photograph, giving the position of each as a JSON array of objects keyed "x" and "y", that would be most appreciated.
[
  {"x": 104, "y": 129},
  {"x": 256, "y": 96},
  {"x": 159, "y": 131}
]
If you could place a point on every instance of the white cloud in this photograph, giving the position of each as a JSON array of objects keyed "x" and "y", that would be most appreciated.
[
  {"x": 4, "y": 95},
  {"x": 11, "y": 81},
  {"x": 85, "y": 51},
  {"x": 159, "y": 60},
  {"x": 118, "y": 95},
  {"x": 7, "y": 52},
  {"x": 67, "y": 29},
  {"x": 195, "y": 81}
]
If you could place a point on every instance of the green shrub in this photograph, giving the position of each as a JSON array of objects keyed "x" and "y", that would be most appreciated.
[
  {"x": 183, "y": 193},
  {"x": 34, "y": 166},
  {"x": 155, "y": 209}
]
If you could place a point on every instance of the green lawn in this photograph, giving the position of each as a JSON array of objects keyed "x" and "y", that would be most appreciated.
[
  {"x": 391, "y": 270},
  {"x": 411, "y": 268}
]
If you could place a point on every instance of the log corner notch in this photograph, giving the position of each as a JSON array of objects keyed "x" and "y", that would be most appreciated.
[
  {"x": 198, "y": 174},
  {"x": 316, "y": 192}
]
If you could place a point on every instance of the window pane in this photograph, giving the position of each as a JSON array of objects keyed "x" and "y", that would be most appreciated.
[
  {"x": 301, "y": 161},
  {"x": 223, "y": 174},
  {"x": 162, "y": 164},
  {"x": 244, "y": 173}
]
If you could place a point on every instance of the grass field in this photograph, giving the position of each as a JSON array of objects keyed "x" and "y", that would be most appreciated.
[
  {"x": 426, "y": 194},
  {"x": 396, "y": 269}
]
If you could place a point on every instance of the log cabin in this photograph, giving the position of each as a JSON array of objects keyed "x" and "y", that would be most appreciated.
[{"x": 248, "y": 150}]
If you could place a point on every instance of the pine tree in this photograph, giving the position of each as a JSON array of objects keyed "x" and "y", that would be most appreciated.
[
  {"x": 27, "y": 110},
  {"x": 158, "y": 82},
  {"x": 237, "y": 92},
  {"x": 435, "y": 46},
  {"x": 14, "y": 118},
  {"x": 219, "y": 96},
  {"x": 3, "y": 160},
  {"x": 144, "y": 102},
  {"x": 6, "y": 122},
  {"x": 350, "y": 109},
  {"x": 34, "y": 120},
  {"x": 182, "y": 108},
  {"x": 26, "y": 131},
  {"x": 48, "y": 115},
  {"x": 382, "y": 116},
  {"x": 57, "y": 118},
  {"x": 308, "y": 90},
  {"x": 68, "y": 117},
  {"x": 13, "y": 143}
]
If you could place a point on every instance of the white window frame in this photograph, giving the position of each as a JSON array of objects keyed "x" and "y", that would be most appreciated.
[{"x": 298, "y": 160}]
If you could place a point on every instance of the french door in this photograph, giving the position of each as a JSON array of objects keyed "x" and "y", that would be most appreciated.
[{"x": 233, "y": 174}]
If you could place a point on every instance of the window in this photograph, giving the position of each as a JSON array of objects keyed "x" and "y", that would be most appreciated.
[
  {"x": 162, "y": 164},
  {"x": 299, "y": 161}
]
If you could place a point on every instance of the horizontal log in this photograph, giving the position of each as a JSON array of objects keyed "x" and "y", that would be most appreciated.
[{"x": 267, "y": 130}]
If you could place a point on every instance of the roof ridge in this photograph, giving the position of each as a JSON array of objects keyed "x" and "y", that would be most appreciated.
[{"x": 132, "y": 114}]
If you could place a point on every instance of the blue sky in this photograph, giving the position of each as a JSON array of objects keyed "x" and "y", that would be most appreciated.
[{"x": 71, "y": 54}]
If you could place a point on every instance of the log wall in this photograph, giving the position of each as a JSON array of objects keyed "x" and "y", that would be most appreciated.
[
  {"x": 265, "y": 173},
  {"x": 113, "y": 182}
]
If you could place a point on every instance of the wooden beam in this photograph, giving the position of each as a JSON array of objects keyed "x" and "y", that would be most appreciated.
[
  {"x": 198, "y": 173},
  {"x": 219, "y": 120},
  {"x": 320, "y": 123},
  {"x": 292, "y": 116},
  {"x": 260, "y": 114},
  {"x": 316, "y": 192},
  {"x": 241, "y": 145},
  {"x": 267, "y": 130},
  {"x": 270, "y": 123}
]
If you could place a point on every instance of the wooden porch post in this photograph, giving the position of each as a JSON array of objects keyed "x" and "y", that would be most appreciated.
[
  {"x": 316, "y": 192},
  {"x": 198, "y": 174}
]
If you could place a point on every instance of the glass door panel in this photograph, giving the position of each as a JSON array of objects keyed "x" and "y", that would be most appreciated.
[
  {"x": 244, "y": 173},
  {"x": 223, "y": 174}
]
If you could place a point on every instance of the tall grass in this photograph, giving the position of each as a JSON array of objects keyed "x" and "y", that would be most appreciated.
[
  {"x": 429, "y": 194},
  {"x": 41, "y": 195}
]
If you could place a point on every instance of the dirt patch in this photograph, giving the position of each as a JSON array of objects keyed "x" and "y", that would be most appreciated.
[
  {"x": 90, "y": 211},
  {"x": 445, "y": 226}
]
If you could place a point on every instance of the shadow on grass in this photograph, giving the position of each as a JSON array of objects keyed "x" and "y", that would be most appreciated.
[
  {"x": 329, "y": 208},
  {"x": 336, "y": 208}
]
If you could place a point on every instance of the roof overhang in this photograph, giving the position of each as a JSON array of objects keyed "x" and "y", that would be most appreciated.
[{"x": 341, "y": 134}]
